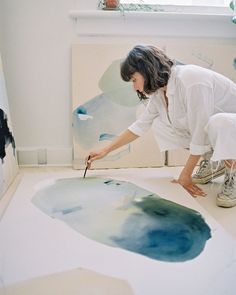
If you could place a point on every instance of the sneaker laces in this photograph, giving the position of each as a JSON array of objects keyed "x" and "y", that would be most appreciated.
[
  {"x": 228, "y": 185},
  {"x": 202, "y": 166}
]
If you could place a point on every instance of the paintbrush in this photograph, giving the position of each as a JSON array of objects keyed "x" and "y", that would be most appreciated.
[{"x": 86, "y": 168}]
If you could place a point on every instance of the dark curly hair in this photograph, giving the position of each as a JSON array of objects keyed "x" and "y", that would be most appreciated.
[{"x": 152, "y": 63}]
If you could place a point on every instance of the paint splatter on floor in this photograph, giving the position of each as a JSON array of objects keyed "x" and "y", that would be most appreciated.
[{"x": 121, "y": 214}]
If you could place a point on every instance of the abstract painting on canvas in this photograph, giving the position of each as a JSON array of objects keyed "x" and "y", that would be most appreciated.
[
  {"x": 8, "y": 161},
  {"x": 104, "y": 106}
]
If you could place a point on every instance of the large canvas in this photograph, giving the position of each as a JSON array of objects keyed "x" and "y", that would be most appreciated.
[
  {"x": 194, "y": 254},
  {"x": 121, "y": 214},
  {"x": 8, "y": 162},
  {"x": 104, "y": 106}
]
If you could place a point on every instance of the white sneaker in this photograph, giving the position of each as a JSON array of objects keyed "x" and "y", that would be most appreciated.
[
  {"x": 208, "y": 170},
  {"x": 227, "y": 196}
]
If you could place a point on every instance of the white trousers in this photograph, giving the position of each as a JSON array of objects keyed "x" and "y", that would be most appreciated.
[{"x": 221, "y": 130}]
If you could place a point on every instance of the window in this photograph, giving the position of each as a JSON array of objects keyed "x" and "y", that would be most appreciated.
[
  {"x": 219, "y": 3},
  {"x": 213, "y": 7}
]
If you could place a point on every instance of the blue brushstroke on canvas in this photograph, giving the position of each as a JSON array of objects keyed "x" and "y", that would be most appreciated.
[
  {"x": 121, "y": 214},
  {"x": 106, "y": 136},
  {"x": 100, "y": 116},
  {"x": 234, "y": 63},
  {"x": 81, "y": 110},
  {"x": 179, "y": 236}
]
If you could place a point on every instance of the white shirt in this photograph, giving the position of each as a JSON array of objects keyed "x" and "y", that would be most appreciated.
[{"x": 194, "y": 94}]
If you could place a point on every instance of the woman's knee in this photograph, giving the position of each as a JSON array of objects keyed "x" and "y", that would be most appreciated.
[{"x": 221, "y": 121}]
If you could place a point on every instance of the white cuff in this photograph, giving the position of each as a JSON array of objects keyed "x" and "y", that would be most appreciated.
[
  {"x": 136, "y": 130},
  {"x": 199, "y": 149}
]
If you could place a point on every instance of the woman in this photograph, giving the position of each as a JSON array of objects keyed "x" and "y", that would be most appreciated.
[{"x": 189, "y": 107}]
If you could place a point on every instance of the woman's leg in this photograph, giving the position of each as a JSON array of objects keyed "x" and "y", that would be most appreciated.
[
  {"x": 222, "y": 134},
  {"x": 230, "y": 164},
  {"x": 221, "y": 130}
]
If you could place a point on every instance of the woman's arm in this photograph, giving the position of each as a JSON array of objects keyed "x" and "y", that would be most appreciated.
[
  {"x": 185, "y": 177},
  {"x": 190, "y": 165},
  {"x": 137, "y": 129},
  {"x": 126, "y": 137}
]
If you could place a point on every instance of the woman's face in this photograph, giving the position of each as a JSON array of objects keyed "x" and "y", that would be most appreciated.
[{"x": 138, "y": 82}]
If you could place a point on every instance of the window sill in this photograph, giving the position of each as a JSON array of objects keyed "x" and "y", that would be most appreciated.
[{"x": 175, "y": 24}]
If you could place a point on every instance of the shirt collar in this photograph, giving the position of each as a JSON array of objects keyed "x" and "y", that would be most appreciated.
[{"x": 171, "y": 85}]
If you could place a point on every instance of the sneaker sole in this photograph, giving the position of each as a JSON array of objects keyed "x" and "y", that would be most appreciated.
[
  {"x": 209, "y": 177},
  {"x": 225, "y": 203}
]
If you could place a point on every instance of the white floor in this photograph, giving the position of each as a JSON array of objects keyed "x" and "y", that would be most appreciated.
[
  {"x": 225, "y": 216},
  {"x": 216, "y": 267}
]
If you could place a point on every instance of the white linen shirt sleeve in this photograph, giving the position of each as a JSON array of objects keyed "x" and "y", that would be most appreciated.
[
  {"x": 144, "y": 122},
  {"x": 200, "y": 106}
]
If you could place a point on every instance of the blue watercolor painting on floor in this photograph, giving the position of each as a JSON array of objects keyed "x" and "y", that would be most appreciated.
[{"x": 121, "y": 214}]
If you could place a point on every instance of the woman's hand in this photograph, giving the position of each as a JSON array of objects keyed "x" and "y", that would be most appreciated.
[
  {"x": 125, "y": 138},
  {"x": 185, "y": 178},
  {"x": 95, "y": 155},
  {"x": 186, "y": 181}
]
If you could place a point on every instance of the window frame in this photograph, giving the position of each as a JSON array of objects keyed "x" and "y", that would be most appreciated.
[
  {"x": 176, "y": 8},
  {"x": 174, "y": 3}
]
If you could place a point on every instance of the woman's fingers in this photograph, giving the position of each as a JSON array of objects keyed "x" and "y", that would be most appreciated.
[
  {"x": 192, "y": 188},
  {"x": 87, "y": 162},
  {"x": 93, "y": 156}
]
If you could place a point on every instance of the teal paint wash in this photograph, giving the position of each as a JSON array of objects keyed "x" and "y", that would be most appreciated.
[
  {"x": 121, "y": 214},
  {"x": 234, "y": 63}
]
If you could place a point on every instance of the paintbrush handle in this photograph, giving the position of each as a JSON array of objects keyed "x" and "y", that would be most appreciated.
[{"x": 86, "y": 168}]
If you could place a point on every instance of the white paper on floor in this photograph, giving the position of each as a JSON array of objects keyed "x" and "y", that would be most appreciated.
[{"x": 34, "y": 244}]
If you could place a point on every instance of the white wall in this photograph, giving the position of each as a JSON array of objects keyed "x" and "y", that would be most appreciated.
[
  {"x": 1, "y": 24},
  {"x": 36, "y": 44}
]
